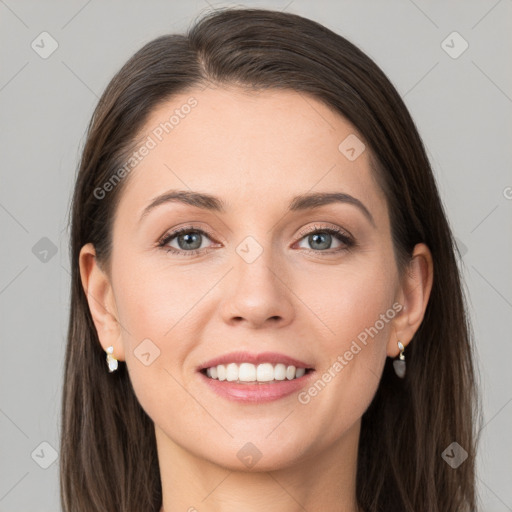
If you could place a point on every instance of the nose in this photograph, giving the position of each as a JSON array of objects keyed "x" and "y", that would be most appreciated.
[{"x": 258, "y": 294}]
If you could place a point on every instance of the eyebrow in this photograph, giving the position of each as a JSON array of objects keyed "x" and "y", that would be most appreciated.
[{"x": 298, "y": 203}]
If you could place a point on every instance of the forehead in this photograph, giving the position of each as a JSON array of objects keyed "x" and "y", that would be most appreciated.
[{"x": 251, "y": 148}]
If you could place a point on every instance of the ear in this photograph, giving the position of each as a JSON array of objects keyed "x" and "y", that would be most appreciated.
[
  {"x": 101, "y": 300},
  {"x": 413, "y": 295}
]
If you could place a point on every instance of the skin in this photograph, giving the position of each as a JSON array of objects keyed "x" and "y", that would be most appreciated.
[{"x": 255, "y": 151}]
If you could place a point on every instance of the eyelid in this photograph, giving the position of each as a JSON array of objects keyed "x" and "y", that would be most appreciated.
[{"x": 333, "y": 227}]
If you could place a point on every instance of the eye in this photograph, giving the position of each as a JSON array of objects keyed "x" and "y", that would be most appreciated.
[
  {"x": 321, "y": 239},
  {"x": 189, "y": 240}
]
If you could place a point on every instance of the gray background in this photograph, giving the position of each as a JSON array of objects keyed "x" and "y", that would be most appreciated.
[{"x": 462, "y": 107}]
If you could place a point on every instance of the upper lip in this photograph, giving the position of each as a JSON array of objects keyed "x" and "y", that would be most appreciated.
[{"x": 246, "y": 357}]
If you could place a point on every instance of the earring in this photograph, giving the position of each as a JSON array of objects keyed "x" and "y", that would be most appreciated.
[
  {"x": 111, "y": 360},
  {"x": 399, "y": 364}
]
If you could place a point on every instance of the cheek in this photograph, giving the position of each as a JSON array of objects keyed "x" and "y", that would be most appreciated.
[
  {"x": 151, "y": 299},
  {"x": 349, "y": 298},
  {"x": 161, "y": 309},
  {"x": 155, "y": 309},
  {"x": 355, "y": 313}
]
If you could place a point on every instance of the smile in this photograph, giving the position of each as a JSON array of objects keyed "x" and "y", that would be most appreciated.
[{"x": 251, "y": 373}]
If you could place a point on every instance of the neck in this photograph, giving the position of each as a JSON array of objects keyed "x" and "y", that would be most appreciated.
[{"x": 323, "y": 481}]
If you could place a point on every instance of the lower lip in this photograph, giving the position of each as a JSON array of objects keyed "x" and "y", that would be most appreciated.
[{"x": 257, "y": 393}]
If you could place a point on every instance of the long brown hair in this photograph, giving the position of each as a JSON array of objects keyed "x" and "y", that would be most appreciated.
[{"x": 108, "y": 457}]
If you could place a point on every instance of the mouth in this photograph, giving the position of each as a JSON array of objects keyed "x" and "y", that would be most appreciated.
[
  {"x": 255, "y": 378},
  {"x": 248, "y": 373},
  {"x": 224, "y": 382}
]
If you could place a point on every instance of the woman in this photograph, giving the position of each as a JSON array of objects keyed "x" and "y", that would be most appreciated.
[{"x": 266, "y": 307}]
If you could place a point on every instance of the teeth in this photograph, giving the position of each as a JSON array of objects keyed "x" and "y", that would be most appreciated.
[
  {"x": 231, "y": 372},
  {"x": 300, "y": 372},
  {"x": 247, "y": 372}
]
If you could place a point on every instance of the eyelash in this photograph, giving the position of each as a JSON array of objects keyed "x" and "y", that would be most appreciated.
[{"x": 338, "y": 234}]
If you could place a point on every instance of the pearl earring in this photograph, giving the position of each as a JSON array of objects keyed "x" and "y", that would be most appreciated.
[
  {"x": 399, "y": 364},
  {"x": 111, "y": 360}
]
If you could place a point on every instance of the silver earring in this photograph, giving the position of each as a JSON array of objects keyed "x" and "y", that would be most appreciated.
[
  {"x": 399, "y": 364},
  {"x": 111, "y": 360}
]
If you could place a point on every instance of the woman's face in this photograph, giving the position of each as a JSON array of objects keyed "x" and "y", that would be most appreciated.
[{"x": 251, "y": 277}]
